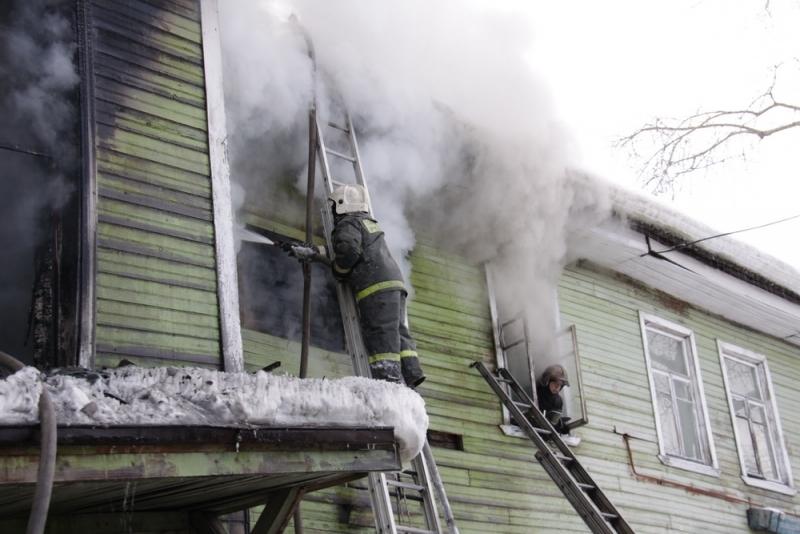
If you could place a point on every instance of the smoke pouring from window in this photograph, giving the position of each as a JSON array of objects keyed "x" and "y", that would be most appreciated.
[
  {"x": 458, "y": 137},
  {"x": 37, "y": 80}
]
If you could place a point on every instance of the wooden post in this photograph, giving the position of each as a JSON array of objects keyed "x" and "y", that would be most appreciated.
[{"x": 279, "y": 508}]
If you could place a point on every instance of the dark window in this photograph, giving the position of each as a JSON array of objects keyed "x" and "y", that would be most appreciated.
[
  {"x": 39, "y": 186},
  {"x": 271, "y": 296}
]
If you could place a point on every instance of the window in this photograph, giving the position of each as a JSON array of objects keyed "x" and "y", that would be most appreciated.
[
  {"x": 271, "y": 296},
  {"x": 515, "y": 350},
  {"x": 684, "y": 432},
  {"x": 754, "y": 415},
  {"x": 39, "y": 182}
]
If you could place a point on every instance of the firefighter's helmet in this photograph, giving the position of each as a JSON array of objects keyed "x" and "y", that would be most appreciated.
[
  {"x": 349, "y": 199},
  {"x": 555, "y": 373}
]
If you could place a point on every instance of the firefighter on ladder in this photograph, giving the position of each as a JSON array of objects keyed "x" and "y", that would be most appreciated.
[{"x": 362, "y": 260}]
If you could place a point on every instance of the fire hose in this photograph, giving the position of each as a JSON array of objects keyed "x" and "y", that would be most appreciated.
[{"x": 47, "y": 455}]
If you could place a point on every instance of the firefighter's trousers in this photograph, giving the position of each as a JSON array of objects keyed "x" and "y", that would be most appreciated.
[{"x": 392, "y": 351}]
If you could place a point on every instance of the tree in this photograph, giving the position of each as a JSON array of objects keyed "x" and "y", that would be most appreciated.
[{"x": 677, "y": 147}]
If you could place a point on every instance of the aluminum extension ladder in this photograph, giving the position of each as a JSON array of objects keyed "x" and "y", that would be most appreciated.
[
  {"x": 599, "y": 514},
  {"x": 419, "y": 483}
]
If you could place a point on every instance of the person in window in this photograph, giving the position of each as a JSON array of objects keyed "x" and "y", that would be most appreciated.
[
  {"x": 548, "y": 394},
  {"x": 362, "y": 259}
]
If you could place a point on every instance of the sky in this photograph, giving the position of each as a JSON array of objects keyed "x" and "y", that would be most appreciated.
[{"x": 613, "y": 66}]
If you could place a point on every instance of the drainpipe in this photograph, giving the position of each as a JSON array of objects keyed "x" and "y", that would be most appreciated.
[
  {"x": 661, "y": 481},
  {"x": 47, "y": 455}
]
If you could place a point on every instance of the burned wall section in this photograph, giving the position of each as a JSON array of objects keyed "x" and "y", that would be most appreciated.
[
  {"x": 156, "y": 283},
  {"x": 39, "y": 181}
]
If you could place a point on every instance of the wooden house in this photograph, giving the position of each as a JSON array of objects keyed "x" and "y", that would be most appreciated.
[{"x": 682, "y": 356}]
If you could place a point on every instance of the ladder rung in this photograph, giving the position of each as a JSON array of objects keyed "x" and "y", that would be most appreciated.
[
  {"x": 505, "y": 324},
  {"x": 609, "y": 517},
  {"x": 523, "y": 405},
  {"x": 506, "y": 380},
  {"x": 542, "y": 431},
  {"x": 345, "y": 129},
  {"x": 512, "y": 345},
  {"x": 414, "y": 498},
  {"x": 351, "y": 159},
  {"x": 586, "y": 487},
  {"x": 563, "y": 459},
  {"x": 405, "y": 485},
  {"x": 413, "y": 530}
]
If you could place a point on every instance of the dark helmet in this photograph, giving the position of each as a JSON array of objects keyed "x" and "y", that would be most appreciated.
[{"x": 555, "y": 372}]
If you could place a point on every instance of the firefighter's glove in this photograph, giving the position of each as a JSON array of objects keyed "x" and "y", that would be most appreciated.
[{"x": 307, "y": 252}]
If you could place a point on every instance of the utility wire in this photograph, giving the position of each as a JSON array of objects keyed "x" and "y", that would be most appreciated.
[
  {"x": 23, "y": 150},
  {"x": 682, "y": 245}
]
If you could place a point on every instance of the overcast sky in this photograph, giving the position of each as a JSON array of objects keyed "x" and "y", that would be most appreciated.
[{"x": 614, "y": 65}]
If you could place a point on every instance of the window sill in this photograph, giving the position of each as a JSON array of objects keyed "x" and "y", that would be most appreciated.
[
  {"x": 769, "y": 485},
  {"x": 516, "y": 432},
  {"x": 688, "y": 465}
]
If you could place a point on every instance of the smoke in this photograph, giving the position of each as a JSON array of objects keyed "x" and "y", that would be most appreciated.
[
  {"x": 37, "y": 80},
  {"x": 458, "y": 137}
]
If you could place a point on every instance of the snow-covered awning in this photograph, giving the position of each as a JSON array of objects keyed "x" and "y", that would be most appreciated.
[{"x": 191, "y": 396}]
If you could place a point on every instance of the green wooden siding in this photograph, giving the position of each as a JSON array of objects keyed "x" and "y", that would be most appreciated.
[
  {"x": 495, "y": 484},
  {"x": 605, "y": 309},
  {"x": 156, "y": 278}
]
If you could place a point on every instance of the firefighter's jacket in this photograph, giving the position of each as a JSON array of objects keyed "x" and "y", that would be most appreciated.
[
  {"x": 362, "y": 257},
  {"x": 552, "y": 405}
]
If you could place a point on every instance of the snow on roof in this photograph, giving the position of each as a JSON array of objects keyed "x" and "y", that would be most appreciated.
[
  {"x": 191, "y": 396},
  {"x": 650, "y": 210}
]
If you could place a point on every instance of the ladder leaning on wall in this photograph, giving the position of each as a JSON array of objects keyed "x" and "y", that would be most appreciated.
[
  {"x": 421, "y": 484},
  {"x": 558, "y": 460}
]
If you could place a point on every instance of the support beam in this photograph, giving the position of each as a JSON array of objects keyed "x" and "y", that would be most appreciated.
[{"x": 279, "y": 508}]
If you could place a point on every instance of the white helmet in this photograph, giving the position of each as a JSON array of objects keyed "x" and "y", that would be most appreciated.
[{"x": 349, "y": 199}]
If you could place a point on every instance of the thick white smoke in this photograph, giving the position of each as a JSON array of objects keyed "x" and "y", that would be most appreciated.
[{"x": 455, "y": 127}]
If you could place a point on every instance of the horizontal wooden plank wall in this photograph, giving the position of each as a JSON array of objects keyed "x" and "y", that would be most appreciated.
[
  {"x": 156, "y": 281},
  {"x": 495, "y": 484},
  {"x": 605, "y": 309}
]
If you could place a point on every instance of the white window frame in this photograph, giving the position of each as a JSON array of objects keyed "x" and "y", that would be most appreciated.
[
  {"x": 712, "y": 468},
  {"x": 576, "y": 380},
  {"x": 747, "y": 357}
]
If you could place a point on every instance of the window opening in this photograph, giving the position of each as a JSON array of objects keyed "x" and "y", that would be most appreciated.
[
  {"x": 513, "y": 352},
  {"x": 681, "y": 416},
  {"x": 271, "y": 296},
  {"x": 39, "y": 181},
  {"x": 754, "y": 414}
]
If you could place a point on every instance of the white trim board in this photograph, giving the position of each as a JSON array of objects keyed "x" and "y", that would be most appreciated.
[{"x": 227, "y": 278}]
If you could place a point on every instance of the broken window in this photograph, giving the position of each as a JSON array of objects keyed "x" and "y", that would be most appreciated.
[
  {"x": 39, "y": 186},
  {"x": 754, "y": 413},
  {"x": 271, "y": 296},
  {"x": 682, "y": 424}
]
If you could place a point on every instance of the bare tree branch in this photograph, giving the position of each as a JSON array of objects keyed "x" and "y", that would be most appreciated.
[{"x": 678, "y": 147}]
